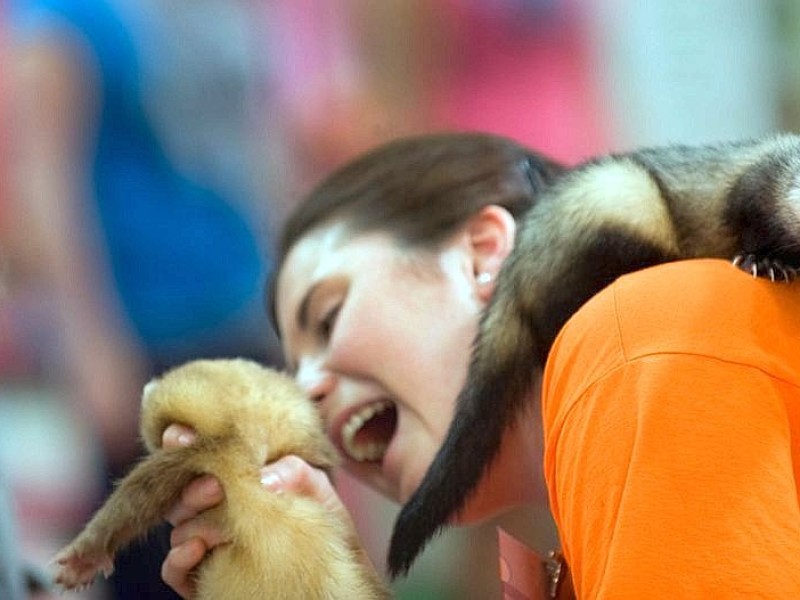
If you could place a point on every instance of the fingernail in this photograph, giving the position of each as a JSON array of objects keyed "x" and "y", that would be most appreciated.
[
  {"x": 185, "y": 439},
  {"x": 272, "y": 481}
]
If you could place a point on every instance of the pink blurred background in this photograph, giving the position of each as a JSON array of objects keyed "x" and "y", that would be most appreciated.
[{"x": 571, "y": 78}]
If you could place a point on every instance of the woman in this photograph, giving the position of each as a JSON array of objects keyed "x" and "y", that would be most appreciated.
[{"x": 670, "y": 412}]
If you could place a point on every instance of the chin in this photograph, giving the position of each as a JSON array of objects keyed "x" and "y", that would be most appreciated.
[{"x": 370, "y": 475}]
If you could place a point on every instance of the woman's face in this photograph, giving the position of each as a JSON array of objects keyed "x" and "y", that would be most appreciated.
[{"x": 380, "y": 337}]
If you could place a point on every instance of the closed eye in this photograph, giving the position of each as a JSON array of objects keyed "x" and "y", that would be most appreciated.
[{"x": 326, "y": 324}]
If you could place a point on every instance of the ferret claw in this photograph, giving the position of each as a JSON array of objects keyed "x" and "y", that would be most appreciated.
[{"x": 774, "y": 269}]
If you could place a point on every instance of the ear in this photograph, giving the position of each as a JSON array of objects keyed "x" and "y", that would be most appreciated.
[
  {"x": 151, "y": 427},
  {"x": 490, "y": 235}
]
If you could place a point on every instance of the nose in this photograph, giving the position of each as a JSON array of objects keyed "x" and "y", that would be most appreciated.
[{"x": 317, "y": 381}]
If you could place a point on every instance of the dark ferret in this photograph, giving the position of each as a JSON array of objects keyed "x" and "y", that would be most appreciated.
[
  {"x": 281, "y": 546},
  {"x": 589, "y": 225}
]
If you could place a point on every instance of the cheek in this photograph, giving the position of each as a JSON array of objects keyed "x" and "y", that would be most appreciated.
[
  {"x": 369, "y": 340},
  {"x": 419, "y": 354}
]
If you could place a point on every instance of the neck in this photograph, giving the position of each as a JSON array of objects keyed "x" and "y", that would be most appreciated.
[{"x": 516, "y": 478}]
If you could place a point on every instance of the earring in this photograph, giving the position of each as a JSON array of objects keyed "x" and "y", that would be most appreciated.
[{"x": 483, "y": 278}]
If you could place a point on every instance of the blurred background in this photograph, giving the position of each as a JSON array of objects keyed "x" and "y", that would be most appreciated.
[{"x": 110, "y": 107}]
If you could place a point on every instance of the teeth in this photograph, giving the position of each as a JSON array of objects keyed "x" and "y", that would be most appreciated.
[{"x": 367, "y": 451}]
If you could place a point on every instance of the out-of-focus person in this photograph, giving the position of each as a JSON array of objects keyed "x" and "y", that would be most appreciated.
[{"x": 140, "y": 176}]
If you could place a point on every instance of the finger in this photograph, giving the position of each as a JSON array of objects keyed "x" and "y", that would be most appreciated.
[
  {"x": 197, "y": 528},
  {"x": 293, "y": 474},
  {"x": 177, "y": 567},
  {"x": 177, "y": 435},
  {"x": 201, "y": 494}
]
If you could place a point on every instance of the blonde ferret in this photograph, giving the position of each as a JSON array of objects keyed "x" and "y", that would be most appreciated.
[{"x": 282, "y": 546}]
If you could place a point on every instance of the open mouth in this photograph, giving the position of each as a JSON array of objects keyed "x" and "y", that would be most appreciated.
[{"x": 367, "y": 433}]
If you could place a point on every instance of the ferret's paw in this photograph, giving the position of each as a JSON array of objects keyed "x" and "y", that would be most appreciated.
[
  {"x": 76, "y": 570},
  {"x": 768, "y": 268}
]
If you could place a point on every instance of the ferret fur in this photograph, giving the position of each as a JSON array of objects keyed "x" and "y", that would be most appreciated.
[
  {"x": 591, "y": 224},
  {"x": 281, "y": 546}
]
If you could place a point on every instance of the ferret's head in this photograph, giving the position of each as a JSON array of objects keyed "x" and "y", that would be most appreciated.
[
  {"x": 286, "y": 418},
  {"x": 237, "y": 397}
]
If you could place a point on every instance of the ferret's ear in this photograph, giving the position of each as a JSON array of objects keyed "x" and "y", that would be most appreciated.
[
  {"x": 149, "y": 428},
  {"x": 149, "y": 388}
]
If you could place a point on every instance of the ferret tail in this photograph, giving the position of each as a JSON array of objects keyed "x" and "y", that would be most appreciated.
[
  {"x": 497, "y": 387},
  {"x": 142, "y": 498}
]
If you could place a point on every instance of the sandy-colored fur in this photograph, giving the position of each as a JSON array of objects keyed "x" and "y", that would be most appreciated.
[
  {"x": 282, "y": 546},
  {"x": 621, "y": 194}
]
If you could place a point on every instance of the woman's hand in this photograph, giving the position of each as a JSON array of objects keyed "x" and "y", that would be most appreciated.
[{"x": 192, "y": 538}]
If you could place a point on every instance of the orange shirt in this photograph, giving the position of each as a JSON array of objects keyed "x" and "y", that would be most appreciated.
[{"x": 671, "y": 407}]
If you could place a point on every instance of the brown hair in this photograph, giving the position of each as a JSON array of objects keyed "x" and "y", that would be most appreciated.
[{"x": 421, "y": 189}]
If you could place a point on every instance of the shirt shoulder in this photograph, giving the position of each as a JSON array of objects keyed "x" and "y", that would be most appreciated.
[{"x": 704, "y": 308}]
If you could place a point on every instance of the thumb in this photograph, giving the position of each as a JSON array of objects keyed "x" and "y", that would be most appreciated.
[{"x": 293, "y": 474}]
